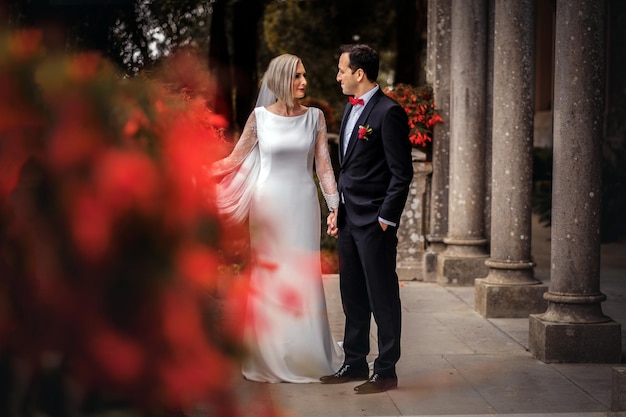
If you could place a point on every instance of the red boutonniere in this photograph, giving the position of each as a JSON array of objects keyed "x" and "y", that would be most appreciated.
[{"x": 364, "y": 131}]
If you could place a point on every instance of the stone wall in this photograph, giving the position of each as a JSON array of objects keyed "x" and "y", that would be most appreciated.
[{"x": 414, "y": 223}]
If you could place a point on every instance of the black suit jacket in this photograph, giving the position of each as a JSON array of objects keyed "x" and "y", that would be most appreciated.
[{"x": 375, "y": 173}]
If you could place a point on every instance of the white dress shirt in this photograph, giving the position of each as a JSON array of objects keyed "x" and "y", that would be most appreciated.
[{"x": 354, "y": 115}]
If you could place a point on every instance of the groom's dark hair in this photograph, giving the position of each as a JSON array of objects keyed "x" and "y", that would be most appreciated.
[{"x": 364, "y": 57}]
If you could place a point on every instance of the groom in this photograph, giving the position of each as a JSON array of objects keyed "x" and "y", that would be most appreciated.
[{"x": 374, "y": 177}]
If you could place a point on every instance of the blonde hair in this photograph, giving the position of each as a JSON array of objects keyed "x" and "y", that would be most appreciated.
[{"x": 280, "y": 75}]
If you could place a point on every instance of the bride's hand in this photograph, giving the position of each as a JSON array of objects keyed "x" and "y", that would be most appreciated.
[{"x": 331, "y": 223}]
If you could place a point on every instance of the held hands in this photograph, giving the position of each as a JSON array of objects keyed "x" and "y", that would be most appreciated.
[{"x": 331, "y": 223}]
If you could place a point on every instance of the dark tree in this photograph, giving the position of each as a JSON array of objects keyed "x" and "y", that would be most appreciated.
[
  {"x": 75, "y": 24},
  {"x": 410, "y": 44},
  {"x": 219, "y": 61},
  {"x": 233, "y": 57},
  {"x": 246, "y": 17},
  {"x": 238, "y": 37},
  {"x": 315, "y": 29},
  {"x": 134, "y": 34}
]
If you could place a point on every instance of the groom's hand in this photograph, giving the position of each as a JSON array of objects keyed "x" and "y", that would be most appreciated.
[{"x": 331, "y": 223}]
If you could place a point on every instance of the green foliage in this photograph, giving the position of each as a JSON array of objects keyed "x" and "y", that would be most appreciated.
[{"x": 314, "y": 30}]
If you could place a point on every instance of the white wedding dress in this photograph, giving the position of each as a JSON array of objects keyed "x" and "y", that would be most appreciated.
[{"x": 287, "y": 333}]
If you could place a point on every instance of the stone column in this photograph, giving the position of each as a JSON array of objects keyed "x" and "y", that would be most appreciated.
[
  {"x": 510, "y": 289},
  {"x": 438, "y": 75},
  {"x": 464, "y": 257},
  {"x": 412, "y": 230},
  {"x": 574, "y": 328},
  {"x": 489, "y": 117}
]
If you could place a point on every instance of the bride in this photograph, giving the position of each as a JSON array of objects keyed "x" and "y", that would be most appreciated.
[{"x": 269, "y": 177}]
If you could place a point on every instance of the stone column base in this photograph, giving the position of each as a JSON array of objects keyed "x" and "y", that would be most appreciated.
[
  {"x": 509, "y": 301},
  {"x": 462, "y": 271},
  {"x": 618, "y": 390},
  {"x": 410, "y": 270},
  {"x": 430, "y": 265},
  {"x": 423, "y": 269},
  {"x": 554, "y": 342}
]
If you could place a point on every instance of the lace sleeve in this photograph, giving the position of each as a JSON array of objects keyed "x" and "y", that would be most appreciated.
[
  {"x": 244, "y": 145},
  {"x": 238, "y": 174},
  {"x": 323, "y": 165}
]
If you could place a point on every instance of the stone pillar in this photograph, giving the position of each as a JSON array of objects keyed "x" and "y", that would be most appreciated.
[
  {"x": 438, "y": 75},
  {"x": 574, "y": 328},
  {"x": 489, "y": 117},
  {"x": 412, "y": 230},
  {"x": 510, "y": 289},
  {"x": 464, "y": 257}
]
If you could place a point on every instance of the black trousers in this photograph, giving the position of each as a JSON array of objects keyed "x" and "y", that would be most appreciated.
[{"x": 369, "y": 285}]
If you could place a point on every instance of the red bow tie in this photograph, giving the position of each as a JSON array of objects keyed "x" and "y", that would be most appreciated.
[{"x": 356, "y": 101}]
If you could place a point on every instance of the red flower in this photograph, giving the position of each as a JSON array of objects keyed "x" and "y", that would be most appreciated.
[
  {"x": 364, "y": 131},
  {"x": 420, "y": 109}
]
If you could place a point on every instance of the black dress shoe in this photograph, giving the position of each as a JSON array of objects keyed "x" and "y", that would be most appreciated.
[
  {"x": 345, "y": 374},
  {"x": 377, "y": 384}
]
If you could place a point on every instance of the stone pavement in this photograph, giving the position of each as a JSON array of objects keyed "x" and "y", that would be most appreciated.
[{"x": 455, "y": 362}]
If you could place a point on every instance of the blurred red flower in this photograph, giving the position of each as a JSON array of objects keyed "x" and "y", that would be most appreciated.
[
  {"x": 127, "y": 180},
  {"x": 120, "y": 357},
  {"x": 112, "y": 247},
  {"x": 25, "y": 44}
]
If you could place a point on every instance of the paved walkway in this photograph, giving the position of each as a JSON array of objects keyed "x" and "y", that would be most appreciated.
[{"x": 455, "y": 362}]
